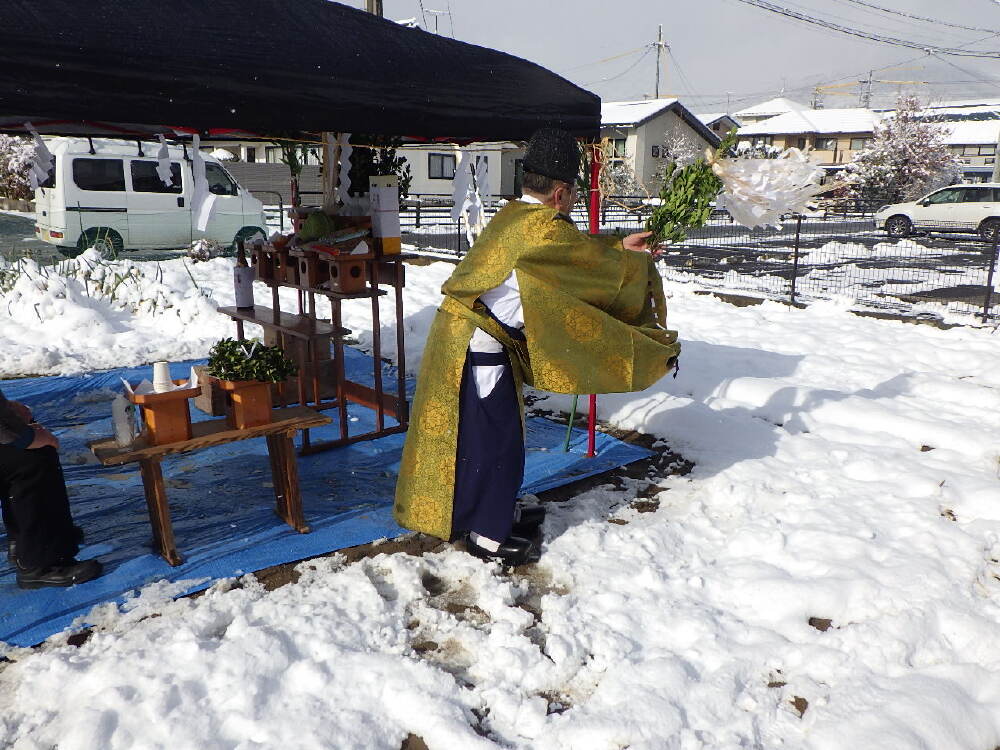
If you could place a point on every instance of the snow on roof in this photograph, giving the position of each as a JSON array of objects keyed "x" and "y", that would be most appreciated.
[
  {"x": 771, "y": 107},
  {"x": 711, "y": 117},
  {"x": 972, "y": 132},
  {"x": 632, "y": 113},
  {"x": 806, "y": 120}
]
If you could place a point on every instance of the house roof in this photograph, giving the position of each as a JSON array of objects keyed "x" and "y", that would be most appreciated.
[
  {"x": 972, "y": 132},
  {"x": 855, "y": 120},
  {"x": 770, "y": 108},
  {"x": 712, "y": 117},
  {"x": 633, "y": 113},
  {"x": 338, "y": 69}
]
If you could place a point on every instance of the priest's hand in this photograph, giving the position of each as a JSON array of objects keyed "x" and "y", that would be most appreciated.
[{"x": 637, "y": 242}]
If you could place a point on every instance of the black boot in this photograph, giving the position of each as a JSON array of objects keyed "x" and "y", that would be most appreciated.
[
  {"x": 65, "y": 573},
  {"x": 513, "y": 551},
  {"x": 529, "y": 522}
]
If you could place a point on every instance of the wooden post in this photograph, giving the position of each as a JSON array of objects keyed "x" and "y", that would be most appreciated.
[
  {"x": 331, "y": 172},
  {"x": 159, "y": 511},
  {"x": 595, "y": 227}
]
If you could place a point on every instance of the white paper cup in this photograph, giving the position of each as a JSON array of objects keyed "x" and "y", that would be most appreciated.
[{"x": 161, "y": 377}]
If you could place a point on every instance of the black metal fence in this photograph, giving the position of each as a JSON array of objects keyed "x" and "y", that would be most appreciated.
[{"x": 834, "y": 252}]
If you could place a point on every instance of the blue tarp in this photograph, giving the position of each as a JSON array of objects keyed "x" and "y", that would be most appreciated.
[{"x": 221, "y": 500}]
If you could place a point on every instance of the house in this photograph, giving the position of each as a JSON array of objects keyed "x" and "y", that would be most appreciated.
[
  {"x": 974, "y": 142},
  {"x": 432, "y": 167},
  {"x": 719, "y": 123},
  {"x": 639, "y": 130},
  {"x": 832, "y": 135},
  {"x": 768, "y": 109}
]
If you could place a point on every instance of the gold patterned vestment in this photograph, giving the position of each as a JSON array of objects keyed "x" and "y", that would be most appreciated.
[{"x": 594, "y": 322}]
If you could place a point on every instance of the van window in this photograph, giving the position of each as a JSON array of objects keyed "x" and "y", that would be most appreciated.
[
  {"x": 219, "y": 183},
  {"x": 99, "y": 174},
  {"x": 146, "y": 180},
  {"x": 50, "y": 178}
]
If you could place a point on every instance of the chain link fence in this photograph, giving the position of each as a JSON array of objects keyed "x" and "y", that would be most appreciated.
[{"x": 834, "y": 252}]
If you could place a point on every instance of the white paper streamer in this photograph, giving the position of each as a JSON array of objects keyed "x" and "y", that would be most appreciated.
[
  {"x": 460, "y": 185},
  {"x": 42, "y": 161},
  {"x": 163, "y": 166},
  {"x": 202, "y": 201},
  {"x": 758, "y": 192}
]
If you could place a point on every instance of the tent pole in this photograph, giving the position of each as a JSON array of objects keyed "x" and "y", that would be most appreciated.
[
  {"x": 331, "y": 172},
  {"x": 595, "y": 227}
]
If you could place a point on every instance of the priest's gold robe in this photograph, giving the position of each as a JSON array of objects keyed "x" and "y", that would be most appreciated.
[{"x": 594, "y": 322}]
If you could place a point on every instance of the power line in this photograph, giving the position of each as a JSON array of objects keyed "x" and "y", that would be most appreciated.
[
  {"x": 860, "y": 33},
  {"x": 935, "y": 21},
  {"x": 629, "y": 69},
  {"x": 608, "y": 59}
]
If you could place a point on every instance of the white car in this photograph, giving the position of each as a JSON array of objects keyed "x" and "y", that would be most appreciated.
[
  {"x": 959, "y": 208},
  {"x": 107, "y": 194}
]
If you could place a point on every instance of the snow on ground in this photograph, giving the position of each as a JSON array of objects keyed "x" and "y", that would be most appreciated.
[
  {"x": 89, "y": 314},
  {"x": 825, "y": 578}
]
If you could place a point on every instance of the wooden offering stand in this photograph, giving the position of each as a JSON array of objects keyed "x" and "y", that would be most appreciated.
[
  {"x": 166, "y": 415},
  {"x": 330, "y": 270}
]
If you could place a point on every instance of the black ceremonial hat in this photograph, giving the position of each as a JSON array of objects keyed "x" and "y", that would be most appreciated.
[{"x": 553, "y": 153}]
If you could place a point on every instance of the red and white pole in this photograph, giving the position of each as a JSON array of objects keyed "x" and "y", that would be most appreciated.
[{"x": 595, "y": 227}]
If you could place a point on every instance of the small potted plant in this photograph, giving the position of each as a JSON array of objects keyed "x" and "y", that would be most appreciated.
[{"x": 245, "y": 370}]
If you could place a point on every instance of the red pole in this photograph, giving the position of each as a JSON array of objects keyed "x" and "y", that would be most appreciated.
[{"x": 595, "y": 227}]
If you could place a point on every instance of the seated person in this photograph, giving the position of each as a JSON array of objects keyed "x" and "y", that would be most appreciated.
[{"x": 42, "y": 539}]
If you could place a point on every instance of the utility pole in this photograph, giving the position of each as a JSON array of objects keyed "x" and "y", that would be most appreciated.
[
  {"x": 866, "y": 91},
  {"x": 659, "y": 49},
  {"x": 374, "y": 7}
]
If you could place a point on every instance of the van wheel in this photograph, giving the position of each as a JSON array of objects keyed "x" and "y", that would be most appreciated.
[
  {"x": 246, "y": 233},
  {"x": 898, "y": 226},
  {"x": 989, "y": 230},
  {"x": 104, "y": 240}
]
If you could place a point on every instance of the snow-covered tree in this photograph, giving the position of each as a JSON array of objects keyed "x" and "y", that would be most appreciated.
[
  {"x": 676, "y": 151},
  {"x": 15, "y": 163},
  {"x": 907, "y": 157}
]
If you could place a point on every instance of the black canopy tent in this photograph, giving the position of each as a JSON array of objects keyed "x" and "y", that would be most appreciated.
[{"x": 267, "y": 67}]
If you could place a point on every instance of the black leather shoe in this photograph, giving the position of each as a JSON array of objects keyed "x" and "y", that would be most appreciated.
[
  {"x": 68, "y": 573},
  {"x": 531, "y": 515},
  {"x": 513, "y": 551}
]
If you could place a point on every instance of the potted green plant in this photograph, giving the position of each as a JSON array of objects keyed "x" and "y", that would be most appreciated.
[{"x": 245, "y": 370}]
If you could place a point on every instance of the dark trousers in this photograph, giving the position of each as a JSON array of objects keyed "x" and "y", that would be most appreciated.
[
  {"x": 35, "y": 506},
  {"x": 489, "y": 465}
]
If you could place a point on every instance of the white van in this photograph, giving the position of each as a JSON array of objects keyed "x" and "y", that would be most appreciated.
[{"x": 108, "y": 195}]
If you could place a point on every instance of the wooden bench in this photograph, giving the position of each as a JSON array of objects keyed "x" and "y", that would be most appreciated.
[{"x": 280, "y": 448}]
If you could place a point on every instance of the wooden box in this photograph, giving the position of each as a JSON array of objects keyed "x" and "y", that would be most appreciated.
[
  {"x": 248, "y": 403},
  {"x": 312, "y": 272},
  {"x": 166, "y": 415},
  {"x": 212, "y": 399},
  {"x": 348, "y": 273},
  {"x": 263, "y": 264}
]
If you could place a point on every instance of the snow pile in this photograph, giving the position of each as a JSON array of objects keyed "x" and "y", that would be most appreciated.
[
  {"x": 91, "y": 314},
  {"x": 827, "y": 577}
]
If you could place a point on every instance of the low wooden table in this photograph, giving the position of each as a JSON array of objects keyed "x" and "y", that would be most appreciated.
[{"x": 280, "y": 448}]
